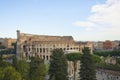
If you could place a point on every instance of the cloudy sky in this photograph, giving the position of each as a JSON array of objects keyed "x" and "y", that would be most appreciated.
[{"x": 85, "y": 20}]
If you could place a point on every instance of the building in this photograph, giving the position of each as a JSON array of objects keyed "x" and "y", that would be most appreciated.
[
  {"x": 29, "y": 45},
  {"x": 116, "y": 44},
  {"x": 7, "y": 42},
  {"x": 2, "y": 41},
  {"x": 97, "y": 46},
  {"x": 108, "y": 45}
]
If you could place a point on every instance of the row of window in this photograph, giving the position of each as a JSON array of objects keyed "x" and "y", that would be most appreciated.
[
  {"x": 46, "y": 50},
  {"x": 54, "y": 45}
]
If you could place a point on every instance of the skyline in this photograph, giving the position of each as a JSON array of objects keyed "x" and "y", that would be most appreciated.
[{"x": 85, "y": 20}]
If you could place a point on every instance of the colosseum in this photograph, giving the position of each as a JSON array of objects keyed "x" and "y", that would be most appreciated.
[{"x": 29, "y": 45}]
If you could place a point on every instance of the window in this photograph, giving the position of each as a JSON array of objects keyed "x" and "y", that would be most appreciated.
[
  {"x": 43, "y": 50},
  {"x": 67, "y": 45},
  {"x": 29, "y": 49},
  {"x": 67, "y": 48},
  {"x": 54, "y": 46},
  {"x": 47, "y": 57},
  {"x": 24, "y": 48},
  {"x": 43, "y": 56},
  {"x": 40, "y": 50},
  {"x": 61, "y": 48}
]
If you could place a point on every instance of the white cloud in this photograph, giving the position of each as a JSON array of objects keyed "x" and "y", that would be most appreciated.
[
  {"x": 89, "y": 29},
  {"x": 83, "y": 24},
  {"x": 105, "y": 17},
  {"x": 108, "y": 13}
]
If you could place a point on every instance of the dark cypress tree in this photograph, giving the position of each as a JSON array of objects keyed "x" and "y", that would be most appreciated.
[
  {"x": 58, "y": 66},
  {"x": 87, "y": 70},
  {"x": 37, "y": 69}
]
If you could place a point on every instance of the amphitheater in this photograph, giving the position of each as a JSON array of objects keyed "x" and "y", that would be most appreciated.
[{"x": 30, "y": 45}]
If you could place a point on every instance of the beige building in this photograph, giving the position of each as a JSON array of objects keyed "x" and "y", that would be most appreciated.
[
  {"x": 7, "y": 42},
  {"x": 97, "y": 45},
  {"x": 116, "y": 44},
  {"x": 29, "y": 45}
]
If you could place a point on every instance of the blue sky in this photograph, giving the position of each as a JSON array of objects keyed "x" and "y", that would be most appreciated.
[{"x": 59, "y": 17}]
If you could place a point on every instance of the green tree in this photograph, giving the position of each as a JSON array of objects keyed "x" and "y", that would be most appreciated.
[
  {"x": 9, "y": 73},
  {"x": 96, "y": 58},
  {"x": 4, "y": 64},
  {"x": 15, "y": 62},
  {"x": 74, "y": 57},
  {"x": 118, "y": 61},
  {"x": 23, "y": 68},
  {"x": 87, "y": 70},
  {"x": 37, "y": 69},
  {"x": 1, "y": 74},
  {"x": 1, "y": 58},
  {"x": 58, "y": 65}
]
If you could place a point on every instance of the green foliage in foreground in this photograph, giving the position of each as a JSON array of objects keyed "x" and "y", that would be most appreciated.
[
  {"x": 23, "y": 69},
  {"x": 107, "y": 53},
  {"x": 96, "y": 58},
  {"x": 108, "y": 66},
  {"x": 118, "y": 60},
  {"x": 21, "y": 66},
  {"x": 9, "y": 73},
  {"x": 87, "y": 70},
  {"x": 73, "y": 56},
  {"x": 4, "y": 64},
  {"x": 37, "y": 69},
  {"x": 58, "y": 66}
]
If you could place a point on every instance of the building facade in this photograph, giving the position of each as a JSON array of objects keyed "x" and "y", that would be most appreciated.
[
  {"x": 108, "y": 45},
  {"x": 116, "y": 44},
  {"x": 29, "y": 45},
  {"x": 7, "y": 42}
]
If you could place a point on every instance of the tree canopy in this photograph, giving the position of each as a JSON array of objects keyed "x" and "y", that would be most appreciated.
[
  {"x": 58, "y": 65},
  {"x": 87, "y": 70},
  {"x": 9, "y": 73},
  {"x": 37, "y": 69},
  {"x": 73, "y": 56},
  {"x": 107, "y": 53}
]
